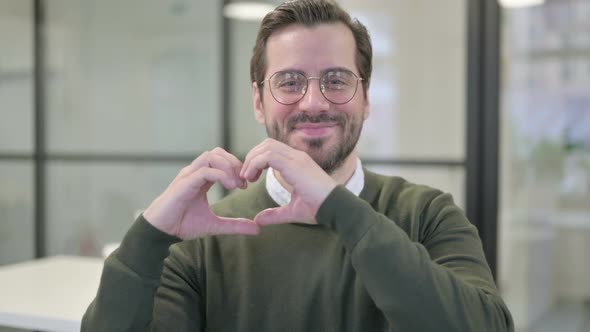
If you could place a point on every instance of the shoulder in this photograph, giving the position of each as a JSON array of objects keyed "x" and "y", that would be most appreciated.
[
  {"x": 386, "y": 192},
  {"x": 414, "y": 207}
]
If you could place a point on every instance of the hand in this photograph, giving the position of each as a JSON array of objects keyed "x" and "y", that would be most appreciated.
[
  {"x": 183, "y": 209},
  {"x": 311, "y": 185}
]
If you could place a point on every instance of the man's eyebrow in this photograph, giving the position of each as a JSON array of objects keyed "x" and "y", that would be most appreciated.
[
  {"x": 335, "y": 69},
  {"x": 292, "y": 70},
  {"x": 299, "y": 71}
]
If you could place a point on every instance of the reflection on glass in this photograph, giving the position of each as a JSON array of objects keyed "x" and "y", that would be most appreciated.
[
  {"x": 91, "y": 205},
  {"x": 545, "y": 153},
  {"x": 16, "y": 73},
  {"x": 134, "y": 76},
  {"x": 16, "y": 212}
]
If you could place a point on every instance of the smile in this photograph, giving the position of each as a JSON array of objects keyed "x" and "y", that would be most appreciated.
[{"x": 315, "y": 129}]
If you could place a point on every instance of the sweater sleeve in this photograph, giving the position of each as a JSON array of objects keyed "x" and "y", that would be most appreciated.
[
  {"x": 440, "y": 284},
  {"x": 138, "y": 285}
]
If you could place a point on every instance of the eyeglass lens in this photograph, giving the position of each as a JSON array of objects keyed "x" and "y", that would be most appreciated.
[{"x": 338, "y": 86}]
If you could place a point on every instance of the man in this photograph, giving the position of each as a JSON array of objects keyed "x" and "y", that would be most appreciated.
[{"x": 316, "y": 244}]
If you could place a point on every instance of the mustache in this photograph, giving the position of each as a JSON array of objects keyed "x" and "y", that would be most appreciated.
[{"x": 318, "y": 118}]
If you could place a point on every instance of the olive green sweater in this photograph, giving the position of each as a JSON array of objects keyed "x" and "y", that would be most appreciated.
[{"x": 402, "y": 257}]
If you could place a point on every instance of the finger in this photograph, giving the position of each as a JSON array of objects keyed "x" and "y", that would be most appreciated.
[
  {"x": 266, "y": 145},
  {"x": 216, "y": 161},
  {"x": 227, "y": 165},
  {"x": 252, "y": 153},
  {"x": 218, "y": 158},
  {"x": 233, "y": 226},
  {"x": 262, "y": 162},
  {"x": 188, "y": 169},
  {"x": 255, "y": 165},
  {"x": 271, "y": 150},
  {"x": 274, "y": 216},
  {"x": 197, "y": 163},
  {"x": 256, "y": 176},
  {"x": 233, "y": 160},
  {"x": 203, "y": 178}
]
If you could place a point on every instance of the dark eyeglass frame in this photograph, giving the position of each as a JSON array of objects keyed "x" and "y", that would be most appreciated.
[{"x": 322, "y": 88}]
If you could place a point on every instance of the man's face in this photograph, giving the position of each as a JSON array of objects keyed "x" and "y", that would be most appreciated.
[{"x": 328, "y": 132}]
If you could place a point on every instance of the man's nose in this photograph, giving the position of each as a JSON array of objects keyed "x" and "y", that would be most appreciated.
[{"x": 314, "y": 100}]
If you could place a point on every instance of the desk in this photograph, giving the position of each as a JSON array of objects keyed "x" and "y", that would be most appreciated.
[{"x": 49, "y": 294}]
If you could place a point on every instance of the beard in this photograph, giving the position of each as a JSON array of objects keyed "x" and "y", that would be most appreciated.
[{"x": 328, "y": 158}]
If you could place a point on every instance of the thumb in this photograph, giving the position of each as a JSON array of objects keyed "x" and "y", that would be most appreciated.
[
  {"x": 279, "y": 215},
  {"x": 233, "y": 226}
]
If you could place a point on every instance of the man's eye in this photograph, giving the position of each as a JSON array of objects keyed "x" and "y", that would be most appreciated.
[
  {"x": 290, "y": 84},
  {"x": 337, "y": 84},
  {"x": 336, "y": 81}
]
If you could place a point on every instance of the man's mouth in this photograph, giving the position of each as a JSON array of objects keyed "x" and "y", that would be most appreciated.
[{"x": 315, "y": 129}]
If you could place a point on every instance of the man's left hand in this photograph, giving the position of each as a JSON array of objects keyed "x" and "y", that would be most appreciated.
[{"x": 309, "y": 182}]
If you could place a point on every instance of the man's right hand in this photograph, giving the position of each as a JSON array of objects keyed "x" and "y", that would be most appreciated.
[{"x": 183, "y": 209}]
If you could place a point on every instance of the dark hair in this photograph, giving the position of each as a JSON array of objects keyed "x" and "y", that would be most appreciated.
[{"x": 311, "y": 13}]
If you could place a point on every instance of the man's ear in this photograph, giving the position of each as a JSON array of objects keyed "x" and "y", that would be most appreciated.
[
  {"x": 257, "y": 101},
  {"x": 367, "y": 106}
]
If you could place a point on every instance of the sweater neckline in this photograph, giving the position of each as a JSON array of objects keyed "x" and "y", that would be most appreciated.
[{"x": 369, "y": 192}]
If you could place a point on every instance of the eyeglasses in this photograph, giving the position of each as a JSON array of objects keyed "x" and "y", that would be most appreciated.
[{"x": 338, "y": 86}]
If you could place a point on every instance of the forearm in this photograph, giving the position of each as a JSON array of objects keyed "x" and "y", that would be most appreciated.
[
  {"x": 417, "y": 293},
  {"x": 451, "y": 291},
  {"x": 130, "y": 277}
]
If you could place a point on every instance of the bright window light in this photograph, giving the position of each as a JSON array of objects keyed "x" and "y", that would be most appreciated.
[
  {"x": 520, "y": 3},
  {"x": 247, "y": 11}
]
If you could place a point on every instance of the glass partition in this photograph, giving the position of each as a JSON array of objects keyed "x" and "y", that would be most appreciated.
[
  {"x": 544, "y": 234},
  {"x": 17, "y": 209},
  {"x": 136, "y": 77}
]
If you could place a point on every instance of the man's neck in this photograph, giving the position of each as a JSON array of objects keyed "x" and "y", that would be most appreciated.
[{"x": 340, "y": 175}]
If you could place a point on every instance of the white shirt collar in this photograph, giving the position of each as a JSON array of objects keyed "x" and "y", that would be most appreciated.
[{"x": 282, "y": 197}]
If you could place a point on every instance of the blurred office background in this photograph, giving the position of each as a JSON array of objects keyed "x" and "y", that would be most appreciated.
[{"x": 102, "y": 102}]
